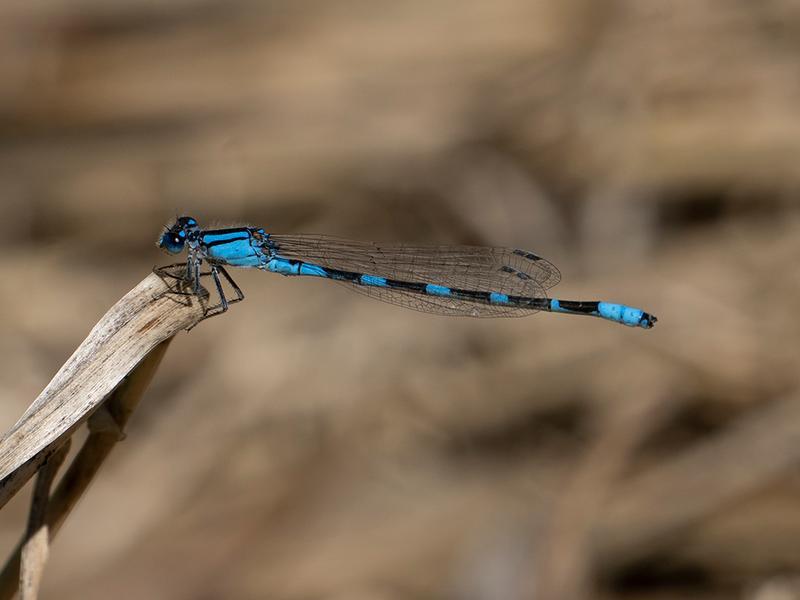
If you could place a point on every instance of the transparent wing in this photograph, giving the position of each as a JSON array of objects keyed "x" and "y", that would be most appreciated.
[{"x": 473, "y": 268}]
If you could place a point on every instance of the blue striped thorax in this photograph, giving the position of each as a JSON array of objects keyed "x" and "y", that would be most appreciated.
[{"x": 238, "y": 247}]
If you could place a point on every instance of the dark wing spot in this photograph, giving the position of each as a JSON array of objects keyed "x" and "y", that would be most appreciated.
[{"x": 526, "y": 254}]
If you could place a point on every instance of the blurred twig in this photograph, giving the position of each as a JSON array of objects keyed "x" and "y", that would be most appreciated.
[
  {"x": 566, "y": 570},
  {"x": 661, "y": 505}
]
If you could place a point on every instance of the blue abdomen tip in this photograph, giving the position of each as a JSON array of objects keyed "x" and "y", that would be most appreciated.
[{"x": 627, "y": 315}]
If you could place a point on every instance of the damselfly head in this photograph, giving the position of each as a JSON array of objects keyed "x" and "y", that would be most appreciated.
[{"x": 174, "y": 238}]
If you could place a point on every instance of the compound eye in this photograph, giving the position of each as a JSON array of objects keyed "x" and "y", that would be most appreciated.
[{"x": 172, "y": 242}]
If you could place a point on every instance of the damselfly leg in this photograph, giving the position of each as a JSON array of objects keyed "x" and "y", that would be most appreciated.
[
  {"x": 224, "y": 302},
  {"x": 189, "y": 275}
]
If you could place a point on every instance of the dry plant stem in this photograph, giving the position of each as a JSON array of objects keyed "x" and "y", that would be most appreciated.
[
  {"x": 106, "y": 429},
  {"x": 141, "y": 320},
  {"x": 106, "y": 426},
  {"x": 14, "y": 482},
  {"x": 104, "y": 378},
  {"x": 35, "y": 548}
]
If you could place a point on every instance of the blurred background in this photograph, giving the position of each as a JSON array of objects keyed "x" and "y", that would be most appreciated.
[{"x": 312, "y": 443}]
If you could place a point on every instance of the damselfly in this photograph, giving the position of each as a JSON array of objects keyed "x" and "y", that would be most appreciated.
[{"x": 473, "y": 281}]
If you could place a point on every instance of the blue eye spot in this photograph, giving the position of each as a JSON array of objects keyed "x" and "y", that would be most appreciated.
[{"x": 185, "y": 222}]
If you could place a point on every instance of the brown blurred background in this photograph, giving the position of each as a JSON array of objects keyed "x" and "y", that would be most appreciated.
[{"x": 314, "y": 444}]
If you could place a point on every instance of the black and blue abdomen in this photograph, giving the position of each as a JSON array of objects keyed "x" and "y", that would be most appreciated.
[{"x": 510, "y": 291}]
